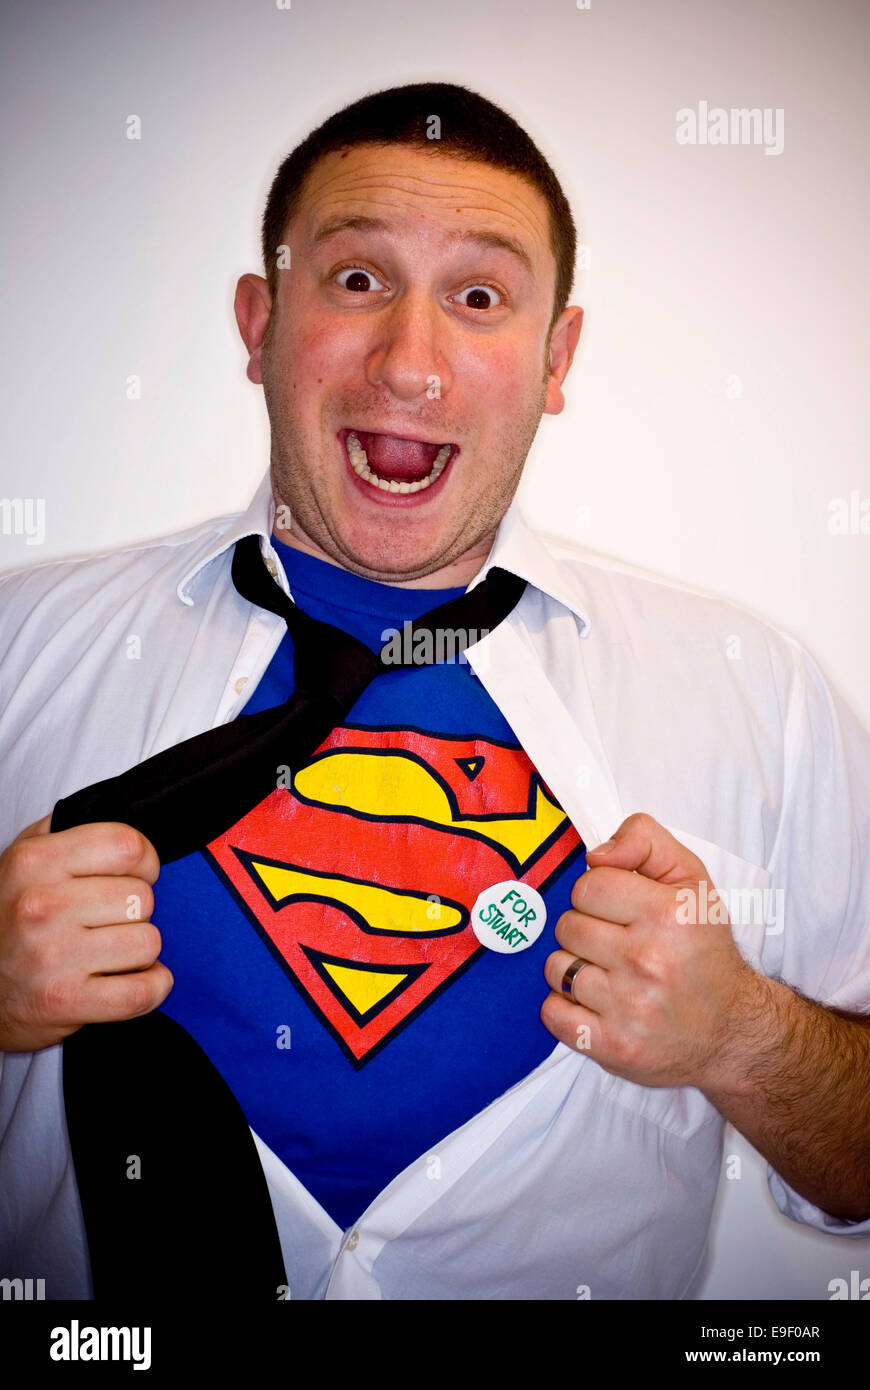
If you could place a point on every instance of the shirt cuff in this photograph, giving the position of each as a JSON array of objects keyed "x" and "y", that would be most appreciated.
[{"x": 797, "y": 1208}]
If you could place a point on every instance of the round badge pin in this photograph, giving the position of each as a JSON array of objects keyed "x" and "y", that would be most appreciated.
[{"x": 508, "y": 917}]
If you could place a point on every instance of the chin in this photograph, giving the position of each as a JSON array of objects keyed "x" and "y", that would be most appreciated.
[{"x": 390, "y": 564}]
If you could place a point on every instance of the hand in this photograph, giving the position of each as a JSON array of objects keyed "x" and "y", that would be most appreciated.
[
  {"x": 56, "y": 971},
  {"x": 662, "y": 999}
]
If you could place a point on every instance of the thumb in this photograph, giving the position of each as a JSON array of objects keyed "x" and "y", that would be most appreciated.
[{"x": 643, "y": 845}]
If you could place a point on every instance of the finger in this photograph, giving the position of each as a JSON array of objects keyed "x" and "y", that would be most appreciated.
[
  {"x": 89, "y": 902},
  {"x": 111, "y": 998},
  {"x": 109, "y": 848},
  {"x": 643, "y": 845},
  {"x": 98, "y": 849},
  {"x": 591, "y": 937},
  {"x": 118, "y": 949},
  {"x": 573, "y": 1025},
  {"x": 615, "y": 895},
  {"x": 589, "y": 987}
]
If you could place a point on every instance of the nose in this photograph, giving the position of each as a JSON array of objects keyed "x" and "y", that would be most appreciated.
[{"x": 408, "y": 356}]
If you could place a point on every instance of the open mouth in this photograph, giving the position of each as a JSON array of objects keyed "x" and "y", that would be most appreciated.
[{"x": 396, "y": 465}]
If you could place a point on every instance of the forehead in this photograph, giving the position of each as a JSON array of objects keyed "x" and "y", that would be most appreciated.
[{"x": 425, "y": 193}]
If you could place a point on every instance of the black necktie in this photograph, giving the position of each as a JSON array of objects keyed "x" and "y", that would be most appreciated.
[
  {"x": 199, "y": 1214},
  {"x": 186, "y": 796}
]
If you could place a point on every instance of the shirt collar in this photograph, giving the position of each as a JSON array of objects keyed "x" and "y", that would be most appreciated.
[
  {"x": 258, "y": 520},
  {"x": 516, "y": 548},
  {"x": 519, "y": 549}
]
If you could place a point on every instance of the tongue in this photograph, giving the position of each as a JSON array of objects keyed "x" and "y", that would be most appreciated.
[{"x": 406, "y": 460}]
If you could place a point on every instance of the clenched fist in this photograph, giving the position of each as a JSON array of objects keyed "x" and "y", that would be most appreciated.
[
  {"x": 76, "y": 943},
  {"x": 657, "y": 1001}
]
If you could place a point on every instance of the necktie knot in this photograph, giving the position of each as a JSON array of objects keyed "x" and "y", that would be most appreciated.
[{"x": 330, "y": 660}]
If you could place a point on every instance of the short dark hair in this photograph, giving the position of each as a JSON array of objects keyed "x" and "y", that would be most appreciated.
[{"x": 471, "y": 127}]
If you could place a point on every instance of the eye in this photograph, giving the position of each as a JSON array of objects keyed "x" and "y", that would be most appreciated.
[
  {"x": 479, "y": 291},
  {"x": 357, "y": 275}
]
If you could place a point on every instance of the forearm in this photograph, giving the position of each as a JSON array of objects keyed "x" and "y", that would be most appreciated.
[{"x": 794, "y": 1078}]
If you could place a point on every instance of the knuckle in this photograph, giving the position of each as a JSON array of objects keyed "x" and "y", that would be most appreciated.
[
  {"x": 578, "y": 892},
  {"x": 552, "y": 973},
  {"x": 653, "y": 962},
  {"x": 151, "y": 862},
  {"x": 563, "y": 927},
  {"x": 165, "y": 982},
  {"x": 50, "y": 1001},
  {"x": 22, "y": 858},
  {"x": 627, "y": 1050},
  {"x": 146, "y": 899},
  {"x": 140, "y": 997},
  {"x": 549, "y": 1014},
  {"x": 150, "y": 941},
  {"x": 126, "y": 845},
  {"x": 630, "y": 1054},
  {"x": 32, "y": 907}
]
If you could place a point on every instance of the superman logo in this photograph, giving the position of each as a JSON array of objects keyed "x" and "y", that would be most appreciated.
[{"x": 361, "y": 878}]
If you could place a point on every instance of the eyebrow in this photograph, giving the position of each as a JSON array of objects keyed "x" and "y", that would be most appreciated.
[{"x": 491, "y": 240}]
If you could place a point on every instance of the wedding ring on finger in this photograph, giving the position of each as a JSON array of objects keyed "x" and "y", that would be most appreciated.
[{"x": 571, "y": 974}]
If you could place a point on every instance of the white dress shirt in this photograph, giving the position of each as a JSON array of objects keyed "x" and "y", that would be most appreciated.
[{"x": 629, "y": 693}]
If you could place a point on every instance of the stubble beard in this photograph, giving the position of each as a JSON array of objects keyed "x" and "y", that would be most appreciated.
[{"x": 293, "y": 486}]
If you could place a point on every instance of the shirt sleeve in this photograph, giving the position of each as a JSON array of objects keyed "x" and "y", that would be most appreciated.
[
  {"x": 820, "y": 863},
  {"x": 797, "y": 1208}
]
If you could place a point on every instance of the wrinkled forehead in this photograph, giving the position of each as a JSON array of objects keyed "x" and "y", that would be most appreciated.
[{"x": 423, "y": 193}]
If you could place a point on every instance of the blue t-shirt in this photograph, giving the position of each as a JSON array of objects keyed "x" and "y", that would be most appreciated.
[{"x": 322, "y": 949}]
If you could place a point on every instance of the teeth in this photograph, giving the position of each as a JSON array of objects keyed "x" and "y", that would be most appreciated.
[{"x": 360, "y": 465}]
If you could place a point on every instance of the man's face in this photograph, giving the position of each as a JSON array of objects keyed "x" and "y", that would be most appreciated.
[{"x": 388, "y": 341}]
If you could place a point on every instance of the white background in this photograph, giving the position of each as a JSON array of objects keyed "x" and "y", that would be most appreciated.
[{"x": 706, "y": 263}]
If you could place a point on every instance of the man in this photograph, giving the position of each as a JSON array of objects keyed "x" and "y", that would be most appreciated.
[{"x": 472, "y": 1070}]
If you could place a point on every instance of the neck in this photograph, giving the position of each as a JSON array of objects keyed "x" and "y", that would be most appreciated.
[{"x": 458, "y": 573}]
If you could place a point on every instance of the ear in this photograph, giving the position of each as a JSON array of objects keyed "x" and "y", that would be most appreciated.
[
  {"x": 563, "y": 342},
  {"x": 253, "y": 306}
]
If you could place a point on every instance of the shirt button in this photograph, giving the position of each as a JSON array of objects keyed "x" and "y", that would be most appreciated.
[
  {"x": 240, "y": 684},
  {"x": 272, "y": 568},
  {"x": 352, "y": 1241}
]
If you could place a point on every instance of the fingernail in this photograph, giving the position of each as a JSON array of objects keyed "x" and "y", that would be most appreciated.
[{"x": 601, "y": 849}]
